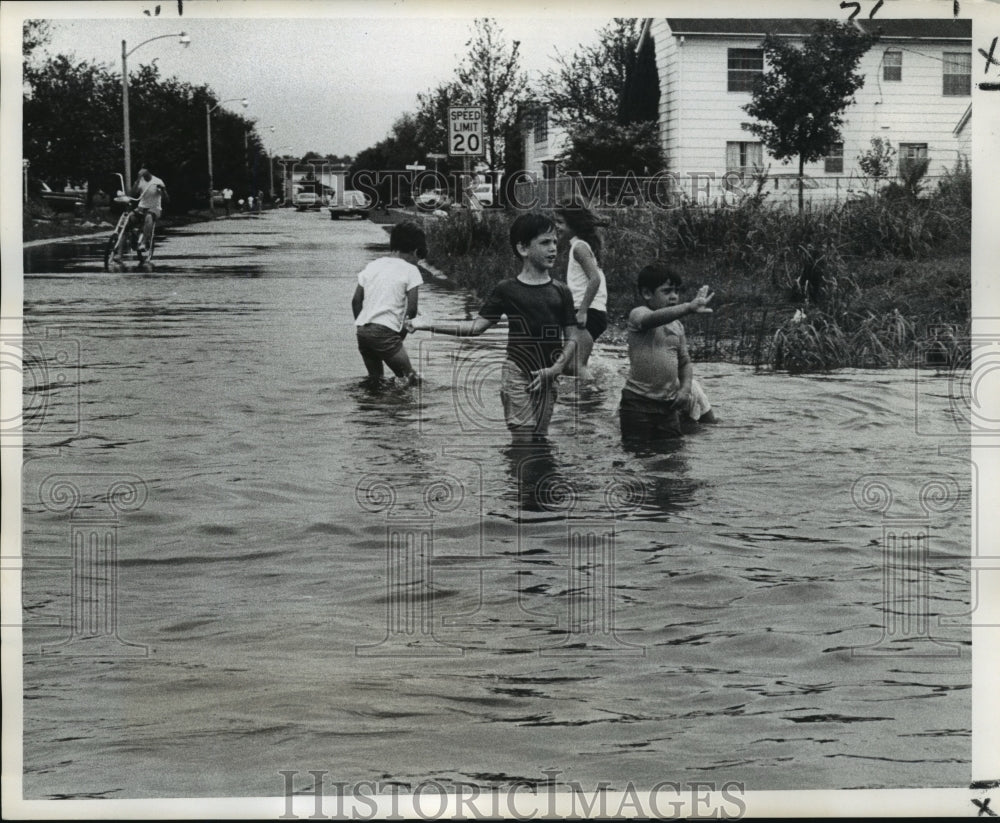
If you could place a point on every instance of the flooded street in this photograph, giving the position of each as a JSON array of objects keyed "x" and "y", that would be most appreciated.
[{"x": 238, "y": 560}]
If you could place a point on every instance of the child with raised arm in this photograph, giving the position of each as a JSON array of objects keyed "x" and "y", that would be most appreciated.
[
  {"x": 542, "y": 328},
  {"x": 386, "y": 295},
  {"x": 658, "y": 388}
]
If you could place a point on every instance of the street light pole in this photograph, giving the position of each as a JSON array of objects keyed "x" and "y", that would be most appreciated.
[
  {"x": 127, "y": 138},
  {"x": 270, "y": 163},
  {"x": 208, "y": 133}
]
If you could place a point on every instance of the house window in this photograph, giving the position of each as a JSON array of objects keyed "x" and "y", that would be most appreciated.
[
  {"x": 909, "y": 154},
  {"x": 542, "y": 125},
  {"x": 745, "y": 66},
  {"x": 957, "y": 73},
  {"x": 744, "y": 158},
  {"x": 833, "y": 163},
  {"x": 892, "y": 65}
]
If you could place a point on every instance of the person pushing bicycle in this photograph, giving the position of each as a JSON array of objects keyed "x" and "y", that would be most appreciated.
[{"x": 152, "y": 194}]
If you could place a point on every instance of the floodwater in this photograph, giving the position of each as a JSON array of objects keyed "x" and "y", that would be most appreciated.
[{"x": 239, "y": 561}]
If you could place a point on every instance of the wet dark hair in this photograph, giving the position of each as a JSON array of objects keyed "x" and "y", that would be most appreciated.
[
  {"x": 583, "y": 223},
  {"x": 655, "y": 275},
  {"x": 527, "y": 227},
  {"x": 407, "y": 237}
]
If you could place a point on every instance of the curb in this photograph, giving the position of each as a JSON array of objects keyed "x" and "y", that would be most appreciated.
[{"x": 32, "y": 243}]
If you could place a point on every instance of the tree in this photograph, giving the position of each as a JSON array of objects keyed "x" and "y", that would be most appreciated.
[
  {"x": 800, "y": 98},
  {"x": 72, "y": 122},
  {"x": 601, "y": 147},
  {"x": 876, "y": 162},
  {"x": 606, "y": 97},
  {"x": 394, "y": 153},
  {"x": 36, "y": 33},
  {"x": 492, "y": 74},
  {"x": 589, "y": 86}
]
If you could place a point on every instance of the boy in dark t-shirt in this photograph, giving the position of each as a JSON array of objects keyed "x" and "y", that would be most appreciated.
[{"x": 542, "y": 328}]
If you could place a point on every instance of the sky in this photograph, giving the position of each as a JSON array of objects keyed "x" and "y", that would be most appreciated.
[{"x": 330, "y": 77}]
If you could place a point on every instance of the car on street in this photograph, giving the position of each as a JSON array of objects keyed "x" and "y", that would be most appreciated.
[
  {"x": 351, "y": 202},
  {"x": 433, "y": 199},
  {"x": 306, "y": 201}
]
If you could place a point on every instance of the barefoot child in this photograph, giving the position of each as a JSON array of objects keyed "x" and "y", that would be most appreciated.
[
  {"x": 542, "y": 328},
  {"x": 658, "y": 388},
  {"x": 386, "y": 295}
]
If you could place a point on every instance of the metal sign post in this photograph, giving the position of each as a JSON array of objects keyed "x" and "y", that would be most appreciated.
[{"x": 414, "y": 167}]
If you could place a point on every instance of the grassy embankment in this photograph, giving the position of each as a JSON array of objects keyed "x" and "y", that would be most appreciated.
[{"x": 873, "y": 278}]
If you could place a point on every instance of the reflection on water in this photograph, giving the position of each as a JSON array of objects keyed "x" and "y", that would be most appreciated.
[{"x": 714, "y": 609}]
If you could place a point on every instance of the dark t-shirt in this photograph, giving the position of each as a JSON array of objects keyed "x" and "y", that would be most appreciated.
[{"x": 537, "y": 315}]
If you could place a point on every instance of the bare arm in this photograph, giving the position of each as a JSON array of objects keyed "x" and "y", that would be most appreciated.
[
  {"x": 585, "y": 257},
  {"x": 660, "y": 317},
  {"x": 546, "y": 375},
  {"x": 411, "y": 302},
  {"x": 357, "y": 301},
  {"x": 460, "y": 328},
  {"x": 685, "y": 371}
]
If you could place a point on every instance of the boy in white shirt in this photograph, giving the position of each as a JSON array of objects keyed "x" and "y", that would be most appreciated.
[{"x": 385, "y": 297}]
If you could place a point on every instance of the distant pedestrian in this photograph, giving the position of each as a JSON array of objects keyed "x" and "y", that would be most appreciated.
[
  {"x": 249, "y": 202},
  {"x": 260, "y": 200},
  {"x": 227, "y": 200},
  {"x": 385, "y": 298}
]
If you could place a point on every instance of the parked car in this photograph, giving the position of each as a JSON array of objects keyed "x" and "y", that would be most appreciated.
[
  {"x": 784, "y": 189},
  {"x": 483, "y": 193},
  {"x": 433, "y": 199},
  {"x": 352, "y": 202},
  {"x": 306, "y": 201},
  {"x": 69, "y": 200}
]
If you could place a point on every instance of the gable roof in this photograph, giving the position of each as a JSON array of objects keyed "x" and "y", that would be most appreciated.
[{"x": 910, "y": 29}]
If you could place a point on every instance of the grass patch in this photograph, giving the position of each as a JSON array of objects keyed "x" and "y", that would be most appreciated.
[{"x": 859, "y": 284}]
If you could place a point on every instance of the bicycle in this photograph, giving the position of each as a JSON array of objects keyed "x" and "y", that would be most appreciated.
[{"x": 127, "y": 232}]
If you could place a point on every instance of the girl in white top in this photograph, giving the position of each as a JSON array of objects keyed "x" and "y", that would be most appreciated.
[{"x": 584, "y": 277}]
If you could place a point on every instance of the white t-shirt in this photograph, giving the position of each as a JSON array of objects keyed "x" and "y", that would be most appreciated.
[
  {"x": 386, "y": 282},
  {"x": 576, "y": 279},
  {"x": 149, "y": 194}
]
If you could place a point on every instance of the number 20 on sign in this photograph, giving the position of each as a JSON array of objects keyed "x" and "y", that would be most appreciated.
[{"x": 465, "y": 131}]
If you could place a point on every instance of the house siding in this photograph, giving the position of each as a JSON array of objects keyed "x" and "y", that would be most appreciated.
[
  {"x": 698, "y": 115},
  {"x": 536, "y": 153}
]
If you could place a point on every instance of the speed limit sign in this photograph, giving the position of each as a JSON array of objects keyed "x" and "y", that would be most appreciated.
[{"x": 465, "y": 131}]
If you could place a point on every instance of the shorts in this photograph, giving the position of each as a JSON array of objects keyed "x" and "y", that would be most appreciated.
[
  {"x": 378, "y": 341},
  {"x": 597, "y": 322},
  {"x": 644, "y": 419},
  {"x": 524, "y": 410}
]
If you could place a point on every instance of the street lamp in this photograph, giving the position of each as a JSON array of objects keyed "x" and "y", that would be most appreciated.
[
  {"x": 208, "y": 131},
  {"x": 270, "y": 163},
  {"x": 184, "y": 41}
]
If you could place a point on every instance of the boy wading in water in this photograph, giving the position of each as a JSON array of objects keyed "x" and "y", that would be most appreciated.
[
  {"x": 542, "y": 329},
  {"x": 386, "y": 295},
  {"x": 658, "y": 387}
]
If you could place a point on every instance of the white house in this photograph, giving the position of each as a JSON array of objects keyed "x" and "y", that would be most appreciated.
[
  {"x": 543, "y": 143},
  {"x": 916, "y": 93}
]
